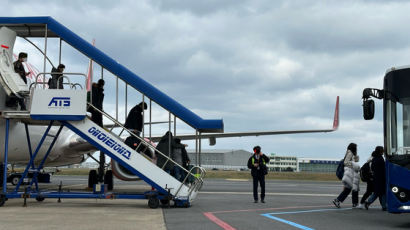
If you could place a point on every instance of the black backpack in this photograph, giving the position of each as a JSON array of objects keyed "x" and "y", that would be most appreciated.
[{"x": 366, "y": 172}]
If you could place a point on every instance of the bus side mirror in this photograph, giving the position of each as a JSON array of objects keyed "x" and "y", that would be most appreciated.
[{"x": 368, "y": 109}]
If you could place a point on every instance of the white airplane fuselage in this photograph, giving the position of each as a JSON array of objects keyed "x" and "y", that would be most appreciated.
[{"x": 18, "y": 150}]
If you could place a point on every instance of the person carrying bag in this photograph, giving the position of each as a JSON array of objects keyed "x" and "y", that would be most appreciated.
[{"x": 351, "y": 177}]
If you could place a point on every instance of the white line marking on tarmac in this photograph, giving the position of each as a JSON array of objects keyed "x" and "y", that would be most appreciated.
[
  {"x": 270, "y": 194},
  {"x": 270, "y": 215}
]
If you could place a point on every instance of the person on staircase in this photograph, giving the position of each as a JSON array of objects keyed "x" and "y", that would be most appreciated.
[
  {"x": 181, "y": 158},
  {"x": 166, "y": 146},
  {"x": 19, "y": 68},
  {"x": 135, "y": 118},
  {"x": 97, "y": 99},
  {"x": 56, "y": 79}
]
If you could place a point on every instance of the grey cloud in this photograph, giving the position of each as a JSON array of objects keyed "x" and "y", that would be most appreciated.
[{"x": 260, "y": 64}]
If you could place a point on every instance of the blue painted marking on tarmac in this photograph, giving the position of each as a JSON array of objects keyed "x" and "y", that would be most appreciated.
[
  {"x": 287, "y": 222},
  {"x": 270, "y": 215}
]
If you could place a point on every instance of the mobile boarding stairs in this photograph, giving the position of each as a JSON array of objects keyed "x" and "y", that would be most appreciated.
[{"x": 68, "y": 108}]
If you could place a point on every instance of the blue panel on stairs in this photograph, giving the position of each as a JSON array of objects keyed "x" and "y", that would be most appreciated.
[{"x": 107, "y": 151}]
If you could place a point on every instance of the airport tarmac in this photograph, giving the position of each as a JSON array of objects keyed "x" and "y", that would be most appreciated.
[{"x": 221, "y": 204}]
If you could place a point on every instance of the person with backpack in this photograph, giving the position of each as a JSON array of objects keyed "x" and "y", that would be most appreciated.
[
  {"x": 166, "y": 146},
  {"x": 257, "y": 163},
  {"x": 366, "y": 175},
  {"x": 56, "y": 80},
  {"x": 351, "y": 177},
  {"x": 379, "y": 179},
  {"x": 181, "y": 158}
]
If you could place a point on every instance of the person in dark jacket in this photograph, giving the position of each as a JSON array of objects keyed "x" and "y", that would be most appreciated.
[
  {"x": 97, "y": 98},
  {"x": 56, "y": 80},
  {"x": 379, "y": 179},
  {"x": 135, "y": 119},
  {"x": 257, "y": 163},
  {"x": 166, "y": 146},
  {"x": 181, "y": 158},
  {"x": 369, "y": 182},
  {"x": 19, "y": 69}
]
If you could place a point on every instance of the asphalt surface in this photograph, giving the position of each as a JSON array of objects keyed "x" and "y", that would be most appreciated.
[
  {"x": 225, "y": 204},
  {"x": 221, "y": 204}
]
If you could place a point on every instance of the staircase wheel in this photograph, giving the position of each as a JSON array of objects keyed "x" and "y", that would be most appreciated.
[
  {"x": 2, "y": 200},
  {"x": 92, "y": 178},
  {"x": 40, "y": 198},
  {"x": 108, "y": 180},
  {"x": 153, "y": 202},
  {"x": 15, "y": 180}
]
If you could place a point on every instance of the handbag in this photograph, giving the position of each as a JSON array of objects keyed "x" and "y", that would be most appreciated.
[{"x": 340, "y": 170}]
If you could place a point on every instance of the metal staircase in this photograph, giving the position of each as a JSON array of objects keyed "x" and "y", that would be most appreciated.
[{"x": 44, "y": 110}]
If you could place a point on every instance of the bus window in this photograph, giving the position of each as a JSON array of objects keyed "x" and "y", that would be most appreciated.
[{"x": 399, "y": 127}]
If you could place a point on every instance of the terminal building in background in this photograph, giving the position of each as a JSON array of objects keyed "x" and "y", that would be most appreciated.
[
  {"x": 222, "y": 159},
  {"x": 237, "y": 160},
  {"x": 282, "y": 163},
  {"x": 318, "y": 165}
]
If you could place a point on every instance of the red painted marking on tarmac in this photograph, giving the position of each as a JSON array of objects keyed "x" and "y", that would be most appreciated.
[
  {"x": 226, "y": 226},
  {"x": 218, "y": 221}
]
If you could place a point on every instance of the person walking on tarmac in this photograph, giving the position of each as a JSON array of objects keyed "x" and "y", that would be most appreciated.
[
  {"x": 367, "y": 176},
  {"x": 257, "y": 163},
  {"x": 351, "y": 177},
  {"x": 379, "y": 179}
]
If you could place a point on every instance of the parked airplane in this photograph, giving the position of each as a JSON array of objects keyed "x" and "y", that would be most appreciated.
[{"x": 69, "y": 147}]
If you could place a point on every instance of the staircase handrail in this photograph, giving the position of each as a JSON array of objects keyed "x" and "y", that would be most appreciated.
[
  {"x": 189, "y": 173},
  {"x": 63, "y": 76}
]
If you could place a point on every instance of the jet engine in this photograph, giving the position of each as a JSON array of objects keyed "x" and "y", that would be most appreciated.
[{"x": 124, "y": 174}]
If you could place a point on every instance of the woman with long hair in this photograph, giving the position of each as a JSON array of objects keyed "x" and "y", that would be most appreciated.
[{"x": 351, "y": 177}]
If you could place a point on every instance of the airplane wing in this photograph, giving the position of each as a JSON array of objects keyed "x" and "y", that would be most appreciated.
[{"x": 212, "y": 136}]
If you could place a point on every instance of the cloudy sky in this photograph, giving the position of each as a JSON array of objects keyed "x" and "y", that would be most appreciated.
[{"x": 260, "y": 65}]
